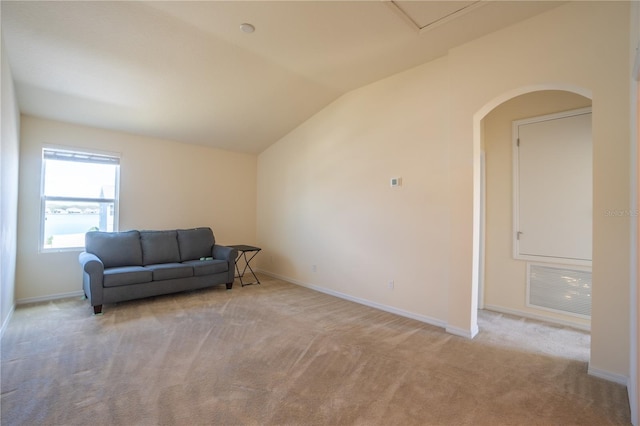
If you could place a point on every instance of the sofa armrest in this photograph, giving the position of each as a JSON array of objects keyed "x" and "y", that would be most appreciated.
[
  {"x": 92, "y": 277},
  {"x": 224, "y": 253},
  {"x": 230, "y": 255},
  {"x": 91, "y": 263}
]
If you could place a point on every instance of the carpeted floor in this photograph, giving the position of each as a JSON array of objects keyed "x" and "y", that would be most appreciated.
[{"x": 280, "y": 354}]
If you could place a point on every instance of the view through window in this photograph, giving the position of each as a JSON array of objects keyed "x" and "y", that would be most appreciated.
[{"x": 79, "y": 194}]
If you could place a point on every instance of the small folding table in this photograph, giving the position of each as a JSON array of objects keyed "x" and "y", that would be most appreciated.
[{"x": 242, "y": 252}]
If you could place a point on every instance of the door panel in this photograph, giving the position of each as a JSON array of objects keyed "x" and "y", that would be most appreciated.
[{"x": 554, "y": 188}]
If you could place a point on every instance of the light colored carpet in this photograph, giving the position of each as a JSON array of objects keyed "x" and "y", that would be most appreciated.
[
  {"x": 280, "y": 354},
  {"x": 533, "y": 336}
]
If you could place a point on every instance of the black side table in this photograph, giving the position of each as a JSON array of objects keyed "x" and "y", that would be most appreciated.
[{"x": 242, "y": 252}]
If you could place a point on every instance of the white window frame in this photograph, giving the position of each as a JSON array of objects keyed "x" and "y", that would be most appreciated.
[
  {"x": 554, "y": 266},
  {"x": 79, "y": 153}
]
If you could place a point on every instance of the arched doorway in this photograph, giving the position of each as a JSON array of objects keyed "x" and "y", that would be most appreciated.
[{"x": 501, "y": 278}]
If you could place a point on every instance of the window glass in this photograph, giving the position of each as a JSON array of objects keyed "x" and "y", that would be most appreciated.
[
  {"x": 79, "y": 194},
  {"x": 74, "y": 179}
]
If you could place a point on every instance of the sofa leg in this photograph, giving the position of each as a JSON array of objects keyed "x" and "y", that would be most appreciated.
[
  {"x": 229, "y": 285},
  {"x": 97, "y": 309}
]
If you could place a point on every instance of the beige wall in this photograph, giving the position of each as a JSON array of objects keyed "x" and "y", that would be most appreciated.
[
  {"x": 163, "y": 185},
  {"x": 9, "y": 160},
  {"x": 634, "y": 396},
  {"x": 323, "y": 195},
  {"x": 505, "y": 277},
  {"x": 636, "y": 315}
]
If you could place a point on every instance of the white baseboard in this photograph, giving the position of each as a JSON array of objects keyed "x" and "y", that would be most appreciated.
[
  {"x": 375, "y": 305},
  {"x": 612, "y": 377},
  {"x": 469, "y": 334},
  {"x": 6, "y": 323},
  {"x": 78, "y": 293},
  {"x": 536, "y": 317}
]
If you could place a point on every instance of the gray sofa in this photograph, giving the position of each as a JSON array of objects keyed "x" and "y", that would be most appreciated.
[{"x": 119, "y": 266}]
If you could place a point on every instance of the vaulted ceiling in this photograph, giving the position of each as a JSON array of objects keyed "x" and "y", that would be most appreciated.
[{"x": 183, "y": 70}]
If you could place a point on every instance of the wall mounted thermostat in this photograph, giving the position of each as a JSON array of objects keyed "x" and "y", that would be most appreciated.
[{"x": 396, "y": 182}]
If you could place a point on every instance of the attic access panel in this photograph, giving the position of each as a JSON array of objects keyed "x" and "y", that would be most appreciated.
[{"x": 431, "y": 13}]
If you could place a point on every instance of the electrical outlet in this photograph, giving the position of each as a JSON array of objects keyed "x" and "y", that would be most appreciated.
[
  {"x": 390, "y": 285},
  {"x": 314, "y": 268}
]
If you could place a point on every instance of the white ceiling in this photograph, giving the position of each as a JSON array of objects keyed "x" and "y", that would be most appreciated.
[{"x": 184, "y": 71}]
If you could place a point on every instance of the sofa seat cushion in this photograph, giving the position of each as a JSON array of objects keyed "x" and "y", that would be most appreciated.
[
  {"x": 207, "y": 267},
  {"x": 159, "y": 247},
  {"x": 115, "y": 248},
  {"x": 170, "y": 271},
  {"x": 195, "y": 243},
  {"x": 126, "y": 275}
]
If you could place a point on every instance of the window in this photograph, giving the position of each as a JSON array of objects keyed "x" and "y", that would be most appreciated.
[{"x": 79, "y": 194}]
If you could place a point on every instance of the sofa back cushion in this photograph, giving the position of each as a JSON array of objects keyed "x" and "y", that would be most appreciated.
[
  {"x": 159, "y": 247},
  {"x": 195, "y": 243},
  {"x": 115, "y": 248}
]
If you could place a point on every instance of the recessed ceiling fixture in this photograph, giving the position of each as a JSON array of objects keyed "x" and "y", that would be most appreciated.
[{"x": 247, "y": 28}]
